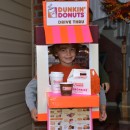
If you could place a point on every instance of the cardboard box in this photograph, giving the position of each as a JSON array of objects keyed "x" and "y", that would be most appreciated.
[{"x": 81, "y": 79}]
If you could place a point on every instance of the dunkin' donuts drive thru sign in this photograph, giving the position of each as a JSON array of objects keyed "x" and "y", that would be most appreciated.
[{"x": 66, "y": 13}]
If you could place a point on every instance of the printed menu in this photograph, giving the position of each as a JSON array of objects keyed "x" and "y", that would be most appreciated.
[{"x": 70, "y": 119}]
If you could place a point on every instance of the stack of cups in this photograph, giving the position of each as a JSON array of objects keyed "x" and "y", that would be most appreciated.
[{"x": 56, "y": 78}]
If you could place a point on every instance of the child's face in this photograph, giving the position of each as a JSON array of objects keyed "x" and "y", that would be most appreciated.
[{"x": 66, "y": 55}]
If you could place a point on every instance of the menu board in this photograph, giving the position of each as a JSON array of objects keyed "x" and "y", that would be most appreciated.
[{"x": 70, "y": 119}]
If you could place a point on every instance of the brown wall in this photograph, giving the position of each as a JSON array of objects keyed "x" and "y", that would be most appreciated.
[{"x": 113, "y": 65}]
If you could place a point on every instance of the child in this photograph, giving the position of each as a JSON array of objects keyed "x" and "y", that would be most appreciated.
[{"x": 66, "y": 54}]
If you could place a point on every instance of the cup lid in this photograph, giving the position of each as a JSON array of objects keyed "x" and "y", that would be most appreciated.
[{"x": 56, "y": 74}]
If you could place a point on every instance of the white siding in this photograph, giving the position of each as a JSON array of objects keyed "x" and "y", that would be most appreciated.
[{"x": 15, "y": 63}]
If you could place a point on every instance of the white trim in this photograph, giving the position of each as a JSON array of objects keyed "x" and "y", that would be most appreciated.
[{"x": 42, "y": 78}]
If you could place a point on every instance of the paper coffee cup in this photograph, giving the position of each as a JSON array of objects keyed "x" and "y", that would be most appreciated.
[
  {"x": 56, "y": 78},
  {"x": 66, "y": 88}
]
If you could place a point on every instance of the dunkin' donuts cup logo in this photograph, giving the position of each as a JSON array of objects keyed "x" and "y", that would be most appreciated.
[{"x": 52, "y": 12}]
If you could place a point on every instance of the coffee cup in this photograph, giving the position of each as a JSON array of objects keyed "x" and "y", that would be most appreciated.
[
  {"x": 66, "y": 88},
  {"x": 56, "y": 78}
]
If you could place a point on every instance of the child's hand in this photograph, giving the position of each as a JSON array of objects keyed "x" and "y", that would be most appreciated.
[
  {"x": 34, "y": 114},
  {"x": 103, "y": 116},
  {"x": 106, "y": 86}
]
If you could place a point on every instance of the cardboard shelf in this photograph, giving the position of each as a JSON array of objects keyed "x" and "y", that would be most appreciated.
[{"x": 74, "y": 101}]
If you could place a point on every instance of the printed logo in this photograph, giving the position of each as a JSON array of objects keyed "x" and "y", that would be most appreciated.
[
  {"x": 78, "y": 84},
  {"x": 67, "y": 88},
  {"x": 52, "y": 11}
]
